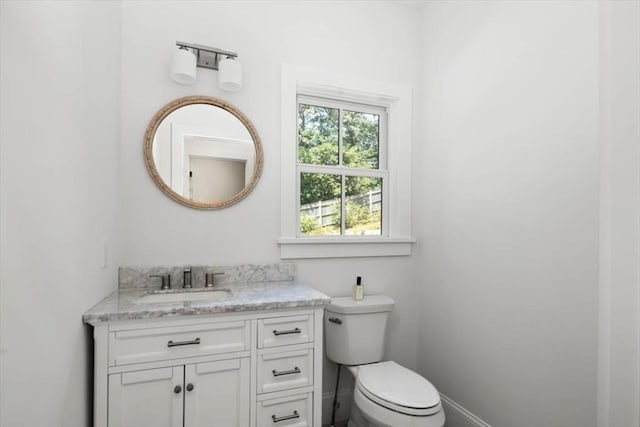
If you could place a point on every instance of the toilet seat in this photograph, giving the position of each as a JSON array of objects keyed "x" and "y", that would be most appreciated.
[{"x": 398, "y": 389}]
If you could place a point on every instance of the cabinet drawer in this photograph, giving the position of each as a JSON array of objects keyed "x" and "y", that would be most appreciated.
[
  {"x": 278, "y": 331},
  {"x": 153, "y": 344},
  {"x": 291, "y": 411},
  {"x": 285, "y": 370}
]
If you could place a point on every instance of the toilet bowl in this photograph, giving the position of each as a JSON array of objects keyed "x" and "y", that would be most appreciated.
[{"x": 386, "y": 394}]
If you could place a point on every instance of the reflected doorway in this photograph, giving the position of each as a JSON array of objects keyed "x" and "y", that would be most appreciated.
[{"x": 212, "y": 178}]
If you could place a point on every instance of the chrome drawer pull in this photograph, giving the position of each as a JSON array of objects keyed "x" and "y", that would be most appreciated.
[
  {"x": 178, "y": 343},
  {"x": 290, "y": 331},
  {"x": 295, "y": 370},
  {"x": 286, "y": 417}
]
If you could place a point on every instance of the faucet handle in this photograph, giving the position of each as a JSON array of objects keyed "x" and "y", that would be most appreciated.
[
  {"x": 165, "y": 282},
  {"x": 187, "y": 278},
  {"x": 209, "y": 278}
]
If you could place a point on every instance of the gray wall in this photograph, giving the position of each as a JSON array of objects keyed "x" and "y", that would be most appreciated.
[
  {"x": 344, "y": 38},
  {"x": 507, "y": 208},
  {"x": 60, "y": 114},
  {"x": 619, "y": 299},
  {"x": 502, "y": 290}
]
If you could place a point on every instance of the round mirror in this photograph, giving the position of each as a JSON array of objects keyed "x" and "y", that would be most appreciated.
[{"x": 203, "y": 152}]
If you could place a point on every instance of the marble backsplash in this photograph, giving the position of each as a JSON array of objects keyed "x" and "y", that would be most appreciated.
[{"x": 138, "y": 277}]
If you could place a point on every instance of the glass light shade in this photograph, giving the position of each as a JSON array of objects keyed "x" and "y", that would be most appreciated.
[
  {"x": 230, "y": 75},
  {"x": 183, "y": 67}
]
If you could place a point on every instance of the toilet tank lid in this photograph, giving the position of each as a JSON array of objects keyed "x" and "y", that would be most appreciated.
[{"x": 370, "y": 304}]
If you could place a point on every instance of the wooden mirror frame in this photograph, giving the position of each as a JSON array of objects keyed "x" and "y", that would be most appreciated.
[{"x": 155, "y": 175}]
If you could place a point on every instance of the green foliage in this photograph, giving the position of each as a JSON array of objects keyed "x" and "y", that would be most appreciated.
[
  {"x": 361, "y": 185},
  {"x": 307, "y": 223},
  {"x": 316, "y": 187},
  {"x": 318, "y": 135},
  {"x": 361, "y": 140},
  {"x": 356, "y": 214}
]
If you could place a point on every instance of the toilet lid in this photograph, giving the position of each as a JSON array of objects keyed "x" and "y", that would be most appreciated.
[{"x": 398, "y": 388}]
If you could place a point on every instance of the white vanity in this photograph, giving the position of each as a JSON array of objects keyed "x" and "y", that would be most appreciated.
[{"x": 252, "y": 359}]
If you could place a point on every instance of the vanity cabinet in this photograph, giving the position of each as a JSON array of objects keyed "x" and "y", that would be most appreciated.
[
  {"x": 217, "y": 391},
  {"x": 146, "y": 397},
  {"x": 193, "y": 394},
  {"x": 250, "y": 369}
]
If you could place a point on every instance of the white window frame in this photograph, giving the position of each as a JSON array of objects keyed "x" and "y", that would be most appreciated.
[
  {"x": 396, "y": 99},
  {"x": 380, "y": 172}
]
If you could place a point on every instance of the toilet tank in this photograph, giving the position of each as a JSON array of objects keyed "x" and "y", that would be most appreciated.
[{"x": 355, "y": 330}]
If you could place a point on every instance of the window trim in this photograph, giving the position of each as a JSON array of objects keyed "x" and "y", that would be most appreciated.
[{"x": 397, "y": 101}]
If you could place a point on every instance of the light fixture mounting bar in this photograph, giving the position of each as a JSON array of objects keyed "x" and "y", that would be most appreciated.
[{"x": 207, "y": 57}]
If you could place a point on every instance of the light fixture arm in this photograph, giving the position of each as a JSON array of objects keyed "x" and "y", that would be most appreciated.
[{"x": 207, "y": 57}]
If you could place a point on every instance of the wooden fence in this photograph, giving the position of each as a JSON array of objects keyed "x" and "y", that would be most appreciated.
[{"x": 323, "y": 211}]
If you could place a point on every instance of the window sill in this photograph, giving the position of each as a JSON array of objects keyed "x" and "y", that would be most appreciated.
[{"x": 327, "y": 247}]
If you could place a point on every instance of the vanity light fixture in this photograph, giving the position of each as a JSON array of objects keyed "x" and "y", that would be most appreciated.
[{"x": 190, "y": 56}]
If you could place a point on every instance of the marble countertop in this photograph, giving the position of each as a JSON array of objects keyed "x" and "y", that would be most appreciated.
[{"x": 124, "y": 304}]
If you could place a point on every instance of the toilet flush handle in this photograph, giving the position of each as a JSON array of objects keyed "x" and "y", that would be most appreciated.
[{"x": 335, "y": 320}]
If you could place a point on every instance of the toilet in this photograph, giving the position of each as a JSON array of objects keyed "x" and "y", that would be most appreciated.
[{"x": 386, "y": 394}]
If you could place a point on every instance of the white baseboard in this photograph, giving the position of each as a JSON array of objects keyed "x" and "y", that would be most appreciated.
[
  {"x": 457, "y": 416},
  {"x": 345, "y": 396}
]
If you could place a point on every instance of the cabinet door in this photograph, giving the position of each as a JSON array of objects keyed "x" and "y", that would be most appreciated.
[
  {"x": 217, "y": 393},
  {"x": 152, "y": 397}
]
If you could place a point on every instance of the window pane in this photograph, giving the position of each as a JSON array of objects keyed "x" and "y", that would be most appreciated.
[
  {"x": 320, "y": 204},
  {"x": 363, "y": 205},
  {"x": 318, "y": 135},
  {"x": 361, "y": 141}
]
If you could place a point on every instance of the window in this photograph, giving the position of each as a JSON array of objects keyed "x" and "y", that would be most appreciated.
[
  {"x": 345, "y": 166},
  {"x": 341, "y": 168}
]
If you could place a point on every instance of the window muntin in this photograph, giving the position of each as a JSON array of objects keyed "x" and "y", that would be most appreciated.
[{"x": 341, "y": 152}]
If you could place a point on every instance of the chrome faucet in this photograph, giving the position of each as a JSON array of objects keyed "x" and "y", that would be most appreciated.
[{"x": 166, "y": 280}]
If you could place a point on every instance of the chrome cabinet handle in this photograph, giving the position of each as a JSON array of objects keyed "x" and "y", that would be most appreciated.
[
  {"x": 295, "y": 370},
  {"x": 286, "y": 417},
  {"x": 178, "y": 343},
  {"x": 290, "y": 331},
  {"x": 335, "y": 320}
]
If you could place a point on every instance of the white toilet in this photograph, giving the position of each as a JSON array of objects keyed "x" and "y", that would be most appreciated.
[{"x": 385, "y": 394}]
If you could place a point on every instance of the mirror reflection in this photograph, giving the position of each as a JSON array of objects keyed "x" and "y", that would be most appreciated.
[{"x": 203, "y": 153}]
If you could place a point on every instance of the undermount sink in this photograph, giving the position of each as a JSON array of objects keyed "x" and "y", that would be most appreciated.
[{"x": 204, "y": 295}]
